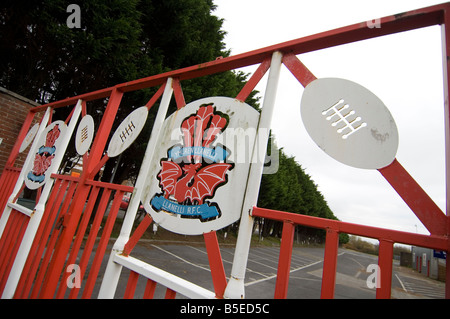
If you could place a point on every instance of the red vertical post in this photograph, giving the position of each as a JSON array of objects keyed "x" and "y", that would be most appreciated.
[
  {"x": 138, "y": 233},
  {"x": 215, "y": 263},
  {"x": 131, "y": 285},
  {"x": 284, "y": 261},
  {"x": 170, "y": 294},
  {"x": 150, "y": 288},
  {"x": 330, "y": 264},
  {"x": 385, "y": 255}
]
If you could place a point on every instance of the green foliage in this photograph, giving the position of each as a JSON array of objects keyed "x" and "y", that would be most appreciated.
[
  {"x": 359, "y": 244},
  {"x": 292, "y": 190}
]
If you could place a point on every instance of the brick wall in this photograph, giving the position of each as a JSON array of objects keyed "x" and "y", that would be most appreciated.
[{"x": 13, "y": 110}]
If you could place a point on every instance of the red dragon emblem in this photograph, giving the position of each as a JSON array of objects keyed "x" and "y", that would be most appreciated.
[
  {"x": 44, "y": 156},
  {"x": 194, "y": 171}
]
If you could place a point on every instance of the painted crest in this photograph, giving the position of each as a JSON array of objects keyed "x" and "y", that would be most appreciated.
[
  {"x": 40, "y": 171},
  {"x": 197, "y": 174},
  {"x": 197, "y": 180}
]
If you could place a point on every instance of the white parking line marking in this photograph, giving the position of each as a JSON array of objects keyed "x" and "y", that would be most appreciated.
[
  {"x": 182, "y": 259},
  {"x": 275, "y": 276},
  {"x": 401, "y": 283}
]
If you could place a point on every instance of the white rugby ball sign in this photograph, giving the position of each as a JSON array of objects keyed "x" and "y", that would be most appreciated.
[
  {"x": 127, "y": 132},
  {"x": 349, "y": 123}
]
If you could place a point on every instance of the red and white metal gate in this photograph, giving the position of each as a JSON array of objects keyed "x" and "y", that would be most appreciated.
[{"x": 38, "y": 246}]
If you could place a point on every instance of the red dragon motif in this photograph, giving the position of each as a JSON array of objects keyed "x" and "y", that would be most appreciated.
[
  {"x": 44, "y": 156},
  {"x": 196, "y": 184},
  {"x": 193, "y": 180}
]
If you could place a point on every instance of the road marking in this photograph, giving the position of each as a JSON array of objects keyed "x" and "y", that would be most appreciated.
[
  {"x": 182, "y": 259},
  {"x": 275, "y": 276},
  {"x": 401, "y": 283}
]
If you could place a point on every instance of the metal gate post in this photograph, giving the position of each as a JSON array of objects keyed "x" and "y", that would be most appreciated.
[
  {"x": 330, "y": 264},
  {"x": 284, "y": 261},
  {"x": 215, "y": 263},
  {"x": 385, "y": 255},
  {"x": 235, "y": 288}
]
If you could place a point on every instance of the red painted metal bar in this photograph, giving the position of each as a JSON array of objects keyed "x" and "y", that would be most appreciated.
[
  {"x": 104, "y": 129},
  {"x": 106, "y": 234},
  {"x": 7, "y": 183},
  {"x": 178, "y": 93},
  {"x": 79, "y": 240},
  {"x": 5, "y": 244},
  {"x": 150, "y": 288},
  {"x": 215, "y": 263},
  {"x": 16, "y": 238},
  {"x": 10, "y": 244},
  {"x": 284, "y": 260},
  {"x": 89, "y": 245},
  {"x": 40, "y": 240},
  {"x": 386, "y": 237},
  {"x": 254, "y": 80},
  {"x": 99, "y": 166},
  {"x": 429, "y": 241},
  {"x": 23, "y": 132},
  {"x": 385, "y": 256},
  {"x": 170, "y": 294},
  {"x": 156, "y": 96},
  {"x": 330, "y": 264},
  {"x": 415, "y": 197},
  {"x": 298, "y": 69},
  {"x": 8, "y": 239},
  {"x": 131, "y": 285},
  {"x": 140, "y": 230},
  {"x": 44, "y": 273}
]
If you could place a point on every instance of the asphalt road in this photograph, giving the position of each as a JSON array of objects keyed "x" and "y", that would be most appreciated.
[{"x": 191, "y": 263}]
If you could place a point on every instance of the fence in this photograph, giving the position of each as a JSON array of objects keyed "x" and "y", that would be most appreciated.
[{"x": 39, "y": 246}]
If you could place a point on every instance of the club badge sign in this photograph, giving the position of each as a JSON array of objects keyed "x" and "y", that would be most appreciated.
[
  {"x": 40, "y": 169},
  {"x": 198, "y": 174}
]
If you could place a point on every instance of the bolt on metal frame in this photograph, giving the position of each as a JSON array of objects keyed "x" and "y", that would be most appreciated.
[{"x": 272, "y": 57}]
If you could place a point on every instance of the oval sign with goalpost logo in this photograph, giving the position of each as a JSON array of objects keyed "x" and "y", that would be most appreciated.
[
  {"x": 349, "y": 123},
  {"x": 127, "y": 132},
  {"x": 198, "y": 174}
]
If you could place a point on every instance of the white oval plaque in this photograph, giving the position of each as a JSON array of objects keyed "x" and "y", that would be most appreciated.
[
  {"x": 29, "y": 137},
  {"x": 198, "y": 175},
  {"x": 349, "y": 123},
  {"x": 85, "y": 134},
  {"x": 127, "y": 131}
]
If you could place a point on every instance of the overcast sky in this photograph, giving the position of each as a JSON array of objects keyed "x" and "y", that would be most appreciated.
[{"x": 403, "y": 70}]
